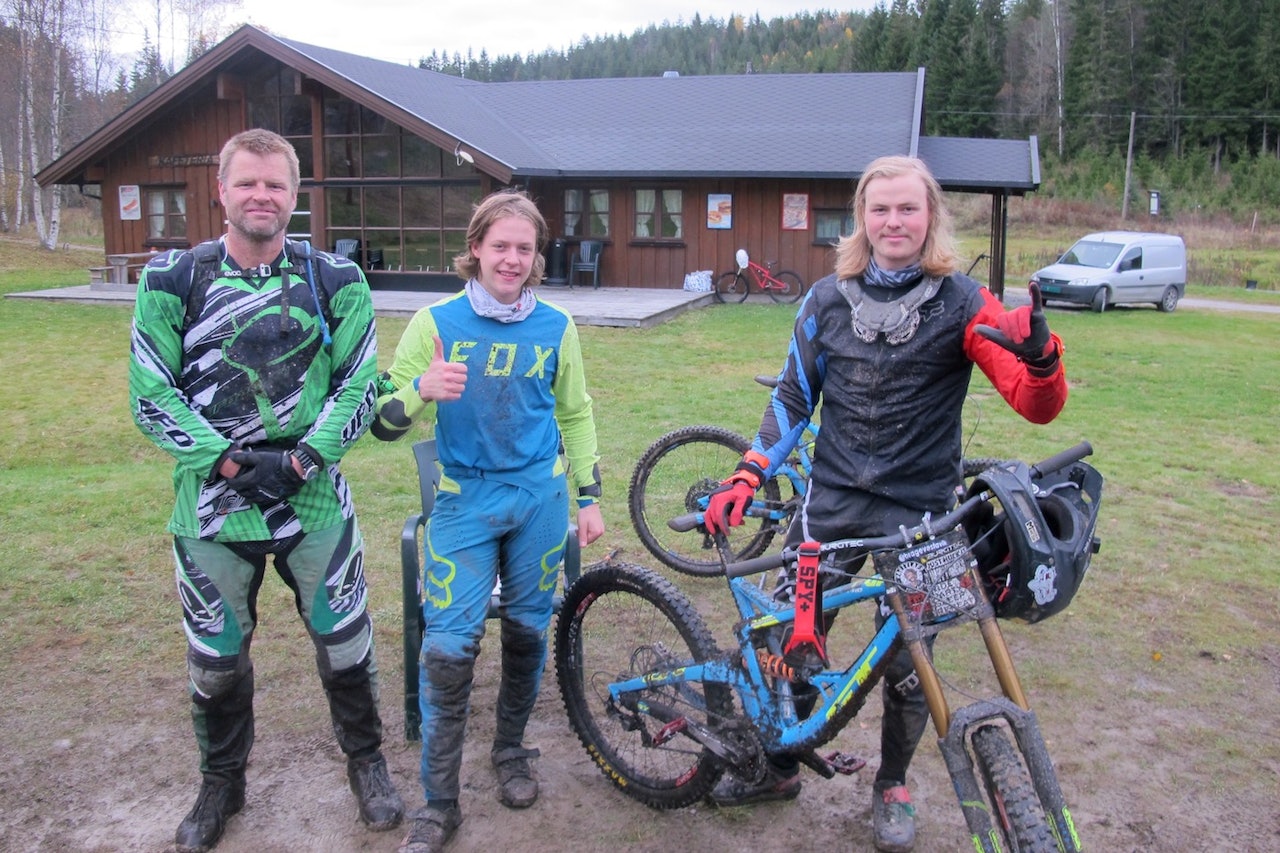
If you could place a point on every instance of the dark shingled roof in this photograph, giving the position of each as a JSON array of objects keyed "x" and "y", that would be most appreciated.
[{"x": 818, "y": 126}]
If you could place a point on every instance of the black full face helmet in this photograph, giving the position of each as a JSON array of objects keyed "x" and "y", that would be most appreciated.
[{"x": 1034, "y": 542}]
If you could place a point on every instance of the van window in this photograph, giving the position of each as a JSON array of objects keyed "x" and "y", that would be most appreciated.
[
  {"x": 1092, "y": 253},
  {"x": 1132, "y": 259}
]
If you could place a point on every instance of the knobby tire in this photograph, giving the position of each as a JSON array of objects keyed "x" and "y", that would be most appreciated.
[
  {"x": 622, "y": 620},
  {"x": 1015, "y": 806},
  {"x": 669, "y": 478}
]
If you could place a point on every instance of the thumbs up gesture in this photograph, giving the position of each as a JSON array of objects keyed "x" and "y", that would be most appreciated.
[{"x": 444, "y": 380}]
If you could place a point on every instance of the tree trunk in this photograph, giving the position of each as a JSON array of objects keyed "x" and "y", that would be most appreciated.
[
  {"x": 55, "y": 125},
  {"x": 4, "y": 195},
  {"x": 1057, "y": 45}
]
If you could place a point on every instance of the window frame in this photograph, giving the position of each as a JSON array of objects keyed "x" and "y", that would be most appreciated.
[
  {"x": 174, "y": 198},
  {"x": 591, "y": 223},
  {"x": 658, "y": 215},
  {"x": 823, "y": 216}
]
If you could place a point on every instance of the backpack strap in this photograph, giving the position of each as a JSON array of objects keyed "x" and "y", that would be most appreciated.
[
  {"x": 301, "y": 255},
  {"x": 207, "y": 261}
]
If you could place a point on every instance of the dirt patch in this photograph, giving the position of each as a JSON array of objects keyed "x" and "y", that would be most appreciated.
[{"x": 103, "y": 760}]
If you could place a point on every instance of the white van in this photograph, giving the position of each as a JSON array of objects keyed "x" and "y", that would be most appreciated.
[{"x": 1112, "y": 267}]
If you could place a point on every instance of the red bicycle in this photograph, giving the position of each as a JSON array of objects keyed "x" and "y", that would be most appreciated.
[{"x": 783, "y": 286}]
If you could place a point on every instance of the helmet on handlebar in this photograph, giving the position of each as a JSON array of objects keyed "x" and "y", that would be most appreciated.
[{"x": 1034, "y": 548}]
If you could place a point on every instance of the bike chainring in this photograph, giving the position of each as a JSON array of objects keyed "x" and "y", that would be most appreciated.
[{"x": 749, "y": 763}]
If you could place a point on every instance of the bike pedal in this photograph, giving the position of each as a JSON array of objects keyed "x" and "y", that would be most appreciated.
[{"x": 844, "y": 763}]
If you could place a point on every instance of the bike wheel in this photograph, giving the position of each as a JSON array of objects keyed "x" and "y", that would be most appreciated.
[
  {"x": 794, "y": 287},
  {"x": 1015, "y": 806},
  {"x": 731, "y": 287},
  {"x": 620, "y": 621},
  {"x": 669, "y": 479}
]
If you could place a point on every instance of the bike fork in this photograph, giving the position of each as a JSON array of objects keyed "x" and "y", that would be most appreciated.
[
  {"x": 964, "y": 780},
  {"x": 953, "y": 729}
]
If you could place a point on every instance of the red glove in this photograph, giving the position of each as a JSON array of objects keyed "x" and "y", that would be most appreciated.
[
  {"x": 1025, "y": 333},
  {"x": 727, "y": 503}
]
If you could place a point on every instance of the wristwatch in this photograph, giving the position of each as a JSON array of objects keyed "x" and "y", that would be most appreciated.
[{"x": 310, "y": 470}]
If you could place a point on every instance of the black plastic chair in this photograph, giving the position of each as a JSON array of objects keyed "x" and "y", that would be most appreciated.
[
  {"x": 586, "y": 260},
  {"x": 348, "y": 248},
  {"x": 424, "y": 453}
]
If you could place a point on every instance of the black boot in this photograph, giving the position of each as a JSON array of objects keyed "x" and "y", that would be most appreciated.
[
  {"x": 353, "y": 708},
  {"x": 524, "y": 652},
  {"x": 224, "y": 731},
  {"x": 203, "y": 825},
  {"x": 523, "y": 656},
  {"x": 446, "y": 690},
  {"x": 380, "y": 805}
]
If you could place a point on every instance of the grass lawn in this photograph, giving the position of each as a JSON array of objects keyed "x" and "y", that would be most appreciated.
[{"x": 1178, "y": 613}]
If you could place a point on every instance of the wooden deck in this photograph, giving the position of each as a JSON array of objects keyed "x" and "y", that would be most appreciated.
[{"x": 635, "y": 307}]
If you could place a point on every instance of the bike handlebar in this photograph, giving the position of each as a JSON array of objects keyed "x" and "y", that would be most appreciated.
[
  {"x": 1061, "y": 460},
  {"x": 927, "y": 528}
]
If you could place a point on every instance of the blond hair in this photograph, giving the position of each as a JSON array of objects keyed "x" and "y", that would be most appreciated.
[
  {"x": 503, "y": 204},
  {"x": 262, "y": 143},
  {"x": 938, "y": 254}
]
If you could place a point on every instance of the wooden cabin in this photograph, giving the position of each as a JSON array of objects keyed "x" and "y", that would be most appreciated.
[{"x": 671, "y": 174}]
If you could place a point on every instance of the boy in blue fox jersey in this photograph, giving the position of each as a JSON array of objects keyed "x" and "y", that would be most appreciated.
[{"x": 500, "y": 373}]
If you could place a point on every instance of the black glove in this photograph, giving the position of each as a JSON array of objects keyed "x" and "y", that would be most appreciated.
[
  {"x": 265, "y": 476},
  {"x": 1025, "y": 333}
]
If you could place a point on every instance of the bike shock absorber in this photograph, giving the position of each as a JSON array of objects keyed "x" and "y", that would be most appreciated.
[{"x": 775, "y": 665}]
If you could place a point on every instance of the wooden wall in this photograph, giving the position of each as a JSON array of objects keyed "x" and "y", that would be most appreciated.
[
  {"x": 159, "y": 153},
  {"x": 756, "y": 227}
]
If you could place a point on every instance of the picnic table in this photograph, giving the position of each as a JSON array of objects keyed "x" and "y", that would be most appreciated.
[{"x": 122, "y": 264}]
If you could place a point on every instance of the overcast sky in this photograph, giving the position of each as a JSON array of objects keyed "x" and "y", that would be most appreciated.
[{"x": 404, "y": 31}]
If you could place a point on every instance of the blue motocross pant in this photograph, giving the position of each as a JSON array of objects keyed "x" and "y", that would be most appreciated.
[{"x": 478, "y": 532}]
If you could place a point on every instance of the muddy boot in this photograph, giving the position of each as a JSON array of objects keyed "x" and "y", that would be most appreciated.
[
  {"x": 353, "y": 708},
  {"x": 431, "y": 829},
  {"x": 204, "y": 824},
  {"x": 524, "y": 653},
  {"x": 380, "y": 805},
  {"x": 778, "y": 784},
  {"x": 517, "y": 786},
  {"x": 224, "y": 732}
]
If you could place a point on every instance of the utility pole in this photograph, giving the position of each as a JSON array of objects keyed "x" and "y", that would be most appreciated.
[{"x": 1128, "y": 167}]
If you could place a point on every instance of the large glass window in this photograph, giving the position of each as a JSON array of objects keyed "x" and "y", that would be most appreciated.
[
  {"x": 276, "y": 102},
  {"x": 166, "y": 213},
  {"x": 417, "y": 228},
  {"x": 659, "y": 214},
  {"x": 407, "y": 201},
  {"x": 586, "y": 213}
]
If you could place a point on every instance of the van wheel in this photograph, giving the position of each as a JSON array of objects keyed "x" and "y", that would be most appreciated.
[
  {"x": 1168, "y": 300},
  {"x": 1100, "y": 300}
]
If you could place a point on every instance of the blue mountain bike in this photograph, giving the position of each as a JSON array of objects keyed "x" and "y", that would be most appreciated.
[
  {"x": 679, "y": 471},
  {"x": 663, "y": 712}
]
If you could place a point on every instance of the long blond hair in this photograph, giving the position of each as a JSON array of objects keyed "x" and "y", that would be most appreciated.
[
  {"x": 503, "y": 204},
  {"x": 938, "y": 254}
]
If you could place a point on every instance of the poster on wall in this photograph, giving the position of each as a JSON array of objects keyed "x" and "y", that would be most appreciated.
[
  {"x": 719, "y": 210},
  {"x": 795, "y": 211},
  {"x": 130, "y": 202}
]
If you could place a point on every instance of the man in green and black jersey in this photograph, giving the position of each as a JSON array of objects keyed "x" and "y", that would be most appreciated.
[{"x": 253, "y": 365}]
